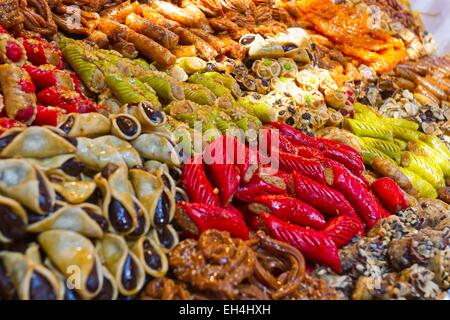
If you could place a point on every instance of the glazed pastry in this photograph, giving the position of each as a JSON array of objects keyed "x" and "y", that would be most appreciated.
[
  {"x": 74, "y": 192},
  {"x": 160, "y": 34},
  {"x": 145, "y": 45},
  {"x": 28, "y": 185},
  {"x": 13, "y": 220},
  {"x": 35, "y": 142},
  {"x": 68, "y": 249},
  {"x": 85, "y": 219},
  {"x": 124, "y": 148},
  {"x": 123, "y": 264},
  {"x": 88, "y": 125},
  {"x": 18, "y": 93},
  {"x": 151, "y": 256},
  {"x": 157, "y": 147},
  {"x": 118, "y": 203},
  {"x": 125, "y": 126}
]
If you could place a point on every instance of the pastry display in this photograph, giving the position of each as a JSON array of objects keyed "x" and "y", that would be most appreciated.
[{"x": 200, "y": 149}]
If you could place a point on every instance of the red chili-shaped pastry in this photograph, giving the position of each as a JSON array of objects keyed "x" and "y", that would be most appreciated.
[
  {"x": 383, "y": 212},
  {"x": 314, "y": 245},
  {"x": 261, "y": 184},
  {"x": 354, "y": 164},
  {"x": 195, "y": 218},
  {"x": 223, "y": 172},
  {"x": 45, "y": 76},
  {"x": 69, "y": 100},
  {"x": 308, "y": 167},
  {"x": 288, "y": 209},
  {"x": 342, "y": 229},
  {"x": 40, "y": 51},
  {"x": 360, "y": 178},
  {"x": 325, "y": 199},
  {"x": 283, "y": 144},
  {"x": 230, "y": 149},
  {"x": 294, "y": 135},
  {"x": 196, "y": 184},
  {"x": 364, "y": 203},
  {"x": 390, "y": 194},
  {"x": 325, "y": 144},
  {"x": 47, "y": 116}
]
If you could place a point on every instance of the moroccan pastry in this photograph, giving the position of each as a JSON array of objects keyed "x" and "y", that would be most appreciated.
[
  {"x": 117, "y": 204},
  {"x": 13, "y": 220},
  {"x": 151, "y": 256},
  {"x": 89, "y": 125},
  {"x": 86, "y": 219},
  {"x": 26, "y": 279},
  {"x": 154, "y": 146},
  {"x": 124, "y": 148},
  {"x": 66, "y": 250},
  {"x": 125, "y": 126},
  {"x": 145, "y": 45},
  {"x": 35, "y": 142},
  {"x": 154, "y": 196},
  {"x": 26, "y": 184},
  {"x": 166, "y": 237},
  {"x": 75, "y": 192},
  {"x": 96, "y": 155},
  {"x": 160, "y": 34},
  {"x": 123, "y": 264},
  {"x": 18, "y": 93},
  {"x": 148, "y": 115}
]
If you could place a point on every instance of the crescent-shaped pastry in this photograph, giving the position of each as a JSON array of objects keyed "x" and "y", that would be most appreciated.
[
  {"x": 123, "y": 264},
  {"x": 13, "y": 220},
  {"x": 76, "y": 258},
  {"x": 88, "y": 125},
  {"x": 151, "y": 256},
  {"x": 34, "y": 142},
  {"x": 23, "y": 182}
]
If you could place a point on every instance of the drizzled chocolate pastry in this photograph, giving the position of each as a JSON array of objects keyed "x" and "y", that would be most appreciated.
[
  {"x": 88, "y": 125},
  {"x": 34, "y": 142},
  {"x": 123, "y": 264},
  {"x": 68, "y": 250},
  {"x": 26, "y": 184}
]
